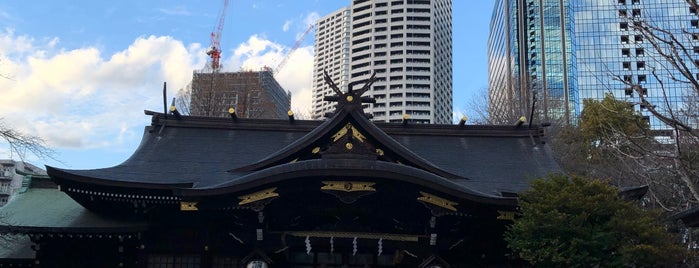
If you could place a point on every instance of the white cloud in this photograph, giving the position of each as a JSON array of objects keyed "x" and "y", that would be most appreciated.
[
  {"x": 9, "y": 43},
  {"x": 295, "y": 76},
  {"x": 81, "y": 99},
  {"x": 311, "y": 18},
  {"x": 85, "y": 98},
  {"x": 286, "y": 25}
]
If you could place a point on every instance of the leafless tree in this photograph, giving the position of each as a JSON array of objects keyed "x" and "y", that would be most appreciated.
[
  {"x": 667, "y": 160},
  {"x": 485, "y": 108},
  {"x": 21, "y": 143},
  {"x": 676, "y": 63},
  {"x": 477, "y": 109},
  {"x": 183, "y": 99},
  {"x": 212, "y": 94}
]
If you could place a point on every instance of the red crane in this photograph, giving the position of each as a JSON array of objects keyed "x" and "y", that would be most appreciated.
[
  {"x": 215, "y": 47},
  {"x": 296, "y": 46}
]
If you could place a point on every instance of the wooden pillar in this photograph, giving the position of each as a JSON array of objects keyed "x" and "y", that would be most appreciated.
[
  {"x": 142, "y": 256},
  {"x": 206, "y": 257}
]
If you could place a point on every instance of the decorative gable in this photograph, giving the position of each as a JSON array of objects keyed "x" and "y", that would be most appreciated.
[{"x": 349, "y": 134}]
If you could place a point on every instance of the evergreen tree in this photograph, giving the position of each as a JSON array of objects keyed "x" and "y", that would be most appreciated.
[{"x": 576, "y": 222}]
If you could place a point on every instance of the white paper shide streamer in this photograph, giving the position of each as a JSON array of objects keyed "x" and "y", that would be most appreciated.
[
  {"x": 332, "y": 244},
  {"x": 308, "y": 245},
  {"x": 354, "y": 246}
]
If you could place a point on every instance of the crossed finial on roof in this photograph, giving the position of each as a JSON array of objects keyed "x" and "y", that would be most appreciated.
[{"x": 352, "y": 97}]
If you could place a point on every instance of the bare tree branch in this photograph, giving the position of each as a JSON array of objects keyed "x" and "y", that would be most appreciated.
[{"x": 21, "y": 143}]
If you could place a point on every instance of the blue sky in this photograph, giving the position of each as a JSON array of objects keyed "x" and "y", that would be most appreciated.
[{"x": 82, "y": 72}]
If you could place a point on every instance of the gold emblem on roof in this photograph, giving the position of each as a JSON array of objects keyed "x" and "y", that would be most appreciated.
[
  {"x": 356, "y": 134},
  {"x": 349, "y": 186},
  {"x": 188, "y": 206},
  {"x": 506, "y": 215},
  {"x": 257, "y": 196},
  {"x": 437, "y": 201}
]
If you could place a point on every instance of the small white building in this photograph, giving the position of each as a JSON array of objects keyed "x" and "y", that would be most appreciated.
[{"x": 14, "y": 176}]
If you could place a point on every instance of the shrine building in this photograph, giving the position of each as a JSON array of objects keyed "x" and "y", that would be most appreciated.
[{"x": 236, "y": 192}]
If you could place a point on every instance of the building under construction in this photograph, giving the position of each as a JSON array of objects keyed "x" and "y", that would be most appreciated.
[{"x": 253, "y": 94}]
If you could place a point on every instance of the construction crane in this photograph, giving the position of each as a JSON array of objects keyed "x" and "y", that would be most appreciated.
[
  {"x": 214, "y": 50},
  {"x": 285, "y": 60}
]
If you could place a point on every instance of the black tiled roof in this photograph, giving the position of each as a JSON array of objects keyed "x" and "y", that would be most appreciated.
[{"x": 206, "y": 153}]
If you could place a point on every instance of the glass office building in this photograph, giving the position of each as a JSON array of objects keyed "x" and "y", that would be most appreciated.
[
  {"x": 531, "y": 61},
  {"x": 571, "y": 50},
  {"x": 615, "y": 57}
]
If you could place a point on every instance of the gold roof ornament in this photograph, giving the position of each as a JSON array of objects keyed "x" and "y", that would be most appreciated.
[
  {"x": 257, "y": 196},
  {"x": 348, "y": 186},
  {"x": 437, "y": 201},
  {"x": 506, "y": 215},
  {"x": 188, "y": 206},
  {"x": 348, "y": 191}
]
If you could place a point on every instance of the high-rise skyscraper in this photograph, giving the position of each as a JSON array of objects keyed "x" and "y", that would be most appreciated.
[
  {"x": 531, "y": 61},
  {"x": 570, "y": 50},
  {"x": 406, "y": 42},
  {"x": 331, "y": 54}
]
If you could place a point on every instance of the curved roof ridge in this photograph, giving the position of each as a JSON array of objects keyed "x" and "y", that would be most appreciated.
[{"x": 348, "y": 114}]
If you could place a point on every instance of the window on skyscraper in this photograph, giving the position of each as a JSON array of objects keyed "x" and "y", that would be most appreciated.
[
  {"x": 641, "y": 65},
  {"x": 641, "y": 78},
  {"x": 636, "y": 12},
  {"x": 644, "y": 92},
  {"x": 624, "y": 39},
  {"x": 626, "y": 52},
  {"x": 624, "y": 26}
]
